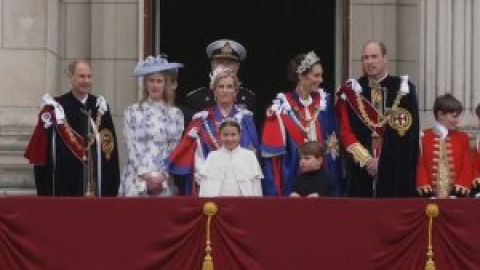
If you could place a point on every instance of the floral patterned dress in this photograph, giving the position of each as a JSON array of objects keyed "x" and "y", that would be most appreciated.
[{"x": 152, "y": 130}]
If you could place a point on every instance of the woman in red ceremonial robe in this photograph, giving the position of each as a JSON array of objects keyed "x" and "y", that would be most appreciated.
[
  {"x": 304, "y": 114},
  {"x": 202, "y": 134}
]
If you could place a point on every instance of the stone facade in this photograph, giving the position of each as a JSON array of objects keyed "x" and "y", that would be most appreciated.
[
  {"x": 38, "y": 38},
  {"x": 435, "y": 42}
]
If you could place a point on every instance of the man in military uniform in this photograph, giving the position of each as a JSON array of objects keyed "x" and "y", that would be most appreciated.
[{"x": 227, "y": 53}]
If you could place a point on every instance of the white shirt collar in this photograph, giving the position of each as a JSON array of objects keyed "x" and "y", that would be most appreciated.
[
  {"x": 440, "y": 130},
  {"x": 230, "y": 151},
  {"x": 381, "y": 79}
]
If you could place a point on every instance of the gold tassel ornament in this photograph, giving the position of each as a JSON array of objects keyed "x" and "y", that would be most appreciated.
[
  {"x": 209, "y": 209},
  {"x": 432, "y": 212}
]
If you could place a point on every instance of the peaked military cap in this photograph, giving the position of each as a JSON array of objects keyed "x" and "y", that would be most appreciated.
[{"x": 226, "y": 48}]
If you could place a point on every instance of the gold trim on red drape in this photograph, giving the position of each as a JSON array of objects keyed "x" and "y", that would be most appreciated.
[
  {"x": 432, "y": 212},
  {"x": 209, "y": 209}
]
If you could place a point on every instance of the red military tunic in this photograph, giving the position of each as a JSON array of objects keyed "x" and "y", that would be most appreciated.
[
  {"x": 444, "y": 165},
  {"x": 476, "y": 164}
]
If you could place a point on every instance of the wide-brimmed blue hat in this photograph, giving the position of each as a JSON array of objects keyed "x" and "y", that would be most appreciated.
[{"x": 154, "y": 64}]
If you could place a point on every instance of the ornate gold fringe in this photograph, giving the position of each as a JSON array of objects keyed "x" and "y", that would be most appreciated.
[
  {"x": 209, "y": 209},
  {"x": 432, "y": 212}
]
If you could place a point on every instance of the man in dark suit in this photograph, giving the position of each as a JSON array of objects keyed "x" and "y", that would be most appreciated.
[{"x": 230, "y": 54}]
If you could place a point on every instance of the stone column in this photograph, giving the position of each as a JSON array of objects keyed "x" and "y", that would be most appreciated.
[
  {"x": 114, "y": 54},
  {"x": 29, "y": 57},
  {"x": 449, "y": 54},
  {"x": 373, "y": 20},
  {"x": 38, "y": 38}
]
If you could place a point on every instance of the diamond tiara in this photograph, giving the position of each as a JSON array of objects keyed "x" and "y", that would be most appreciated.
[
  {"x": 310, "y": 59},
  {"x": 231, "y": 120},
  {"x": 217, "y": 72}
]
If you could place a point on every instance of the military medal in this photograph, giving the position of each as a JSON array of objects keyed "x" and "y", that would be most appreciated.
[
  {"x": 332, "y": 145},
  {"x": 400, "y": 120},
  {"x": 107, "y": 142}
]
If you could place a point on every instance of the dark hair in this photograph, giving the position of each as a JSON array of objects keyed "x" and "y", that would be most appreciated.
[
  {"x": 293, "y": 65},
  {"x": 447, "y": 104},
  {"x": 383, "y": 48},
  {"x": 72, "y": 67},
  {"x": 315, "y": 149},
  {"x": 477, "y": 110},
  {"x": 230, "y": 122}
]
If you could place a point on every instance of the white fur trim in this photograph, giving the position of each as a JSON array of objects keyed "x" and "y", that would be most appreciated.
[
  {"x": 102, "y": 105},
  {"x": 200, "y": 115},
  {"x": 355, "y": 86},
  {"x": 58, "y": 109},
  {"x": 404, "y": 88}
]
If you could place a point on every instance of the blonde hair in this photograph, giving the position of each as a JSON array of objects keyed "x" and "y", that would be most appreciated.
[
  {"x": 171, "y": 77},
  {"x": 221, "y": 73}
]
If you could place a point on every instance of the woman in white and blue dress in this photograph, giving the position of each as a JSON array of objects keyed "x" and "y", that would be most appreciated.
[{"x": 153, "y": 127}]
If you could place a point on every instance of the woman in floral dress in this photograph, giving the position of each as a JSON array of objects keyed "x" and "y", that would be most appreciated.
[{"x": 153, "y": 127}]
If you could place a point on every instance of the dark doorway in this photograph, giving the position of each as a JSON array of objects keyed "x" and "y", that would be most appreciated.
[{"x": 272, "y": 32}]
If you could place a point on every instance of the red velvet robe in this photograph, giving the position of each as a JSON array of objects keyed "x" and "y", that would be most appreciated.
[{"x": 476, "y": 164}]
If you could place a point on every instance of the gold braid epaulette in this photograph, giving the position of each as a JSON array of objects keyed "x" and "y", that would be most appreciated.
[{"x": 360, "y": 154}]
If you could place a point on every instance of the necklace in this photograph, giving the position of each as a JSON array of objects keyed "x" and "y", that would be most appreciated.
[
  {"x": 383, "y": 119},
  {"x": 296, "y": 114}
]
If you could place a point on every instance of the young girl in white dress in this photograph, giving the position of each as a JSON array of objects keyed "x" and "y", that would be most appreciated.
[{"x": 231, "y": 170}]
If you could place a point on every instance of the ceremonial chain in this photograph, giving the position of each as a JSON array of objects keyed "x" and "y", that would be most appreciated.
[
  {"x": 299, "y": 123},
  {"x": 384, "y": 118}
]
